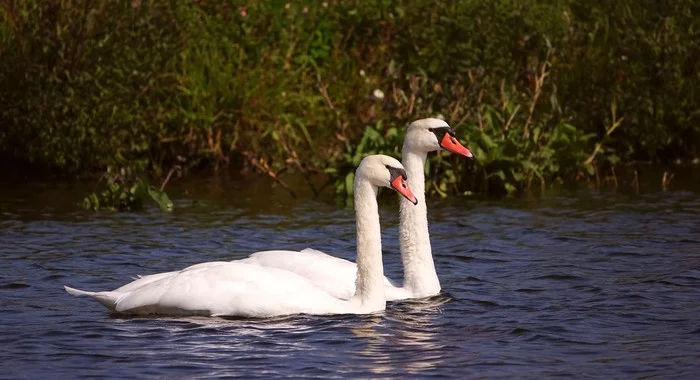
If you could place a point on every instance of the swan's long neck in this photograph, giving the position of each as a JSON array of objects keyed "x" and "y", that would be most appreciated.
[
  {"x": 420, "y": 277},
  {"x": 369, "y": 284}
]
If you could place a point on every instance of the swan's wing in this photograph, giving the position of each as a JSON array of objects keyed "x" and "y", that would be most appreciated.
[
  {"x": 141, "y": 281},
  {"x": 322, "y": 255},
  {"x": 332, "y": 260},
  {"x": 390, "y": 285},
  {"x": 221, "y": 289},
  {"x": 332, "y": 274}
]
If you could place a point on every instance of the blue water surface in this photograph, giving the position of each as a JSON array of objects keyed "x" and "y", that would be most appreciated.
[{"x": 577, "y": 283}]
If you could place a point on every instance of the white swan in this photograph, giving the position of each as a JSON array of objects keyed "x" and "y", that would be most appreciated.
[
  {"x": 243, "y": 289},
  {"x": 337, "y": 275}
]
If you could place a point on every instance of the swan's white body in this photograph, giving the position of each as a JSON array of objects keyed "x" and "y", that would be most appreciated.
[
  {"x": 336, "y": 275},
  {"x": 242, "y": 289},
  {"x": 222, "y": 289}
]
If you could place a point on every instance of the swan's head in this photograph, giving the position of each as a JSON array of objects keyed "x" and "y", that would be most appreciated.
[
  {"x": 385, "y": 171},
  {"x": 430, "y": 135}
]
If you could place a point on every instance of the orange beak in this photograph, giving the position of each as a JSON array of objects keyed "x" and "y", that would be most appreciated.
[
  {"x": 399, "y": 184},
  {"x": 453, "y": 145}
]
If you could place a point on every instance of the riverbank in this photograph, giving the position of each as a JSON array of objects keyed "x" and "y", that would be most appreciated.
[
  {"x": 542, "y": 93},
  {"x": 231, "y": 189}
]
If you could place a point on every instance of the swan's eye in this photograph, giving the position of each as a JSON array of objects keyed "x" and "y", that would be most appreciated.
[{"x": 430, "y": 129}]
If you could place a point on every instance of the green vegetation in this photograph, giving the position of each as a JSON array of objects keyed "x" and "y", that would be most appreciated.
[
  {"x": 125, "y": 192},
  {"x": 540, "y": 91}
]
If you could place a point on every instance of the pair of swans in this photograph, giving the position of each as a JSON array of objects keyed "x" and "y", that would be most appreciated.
[{"x": 273, "y": 283}]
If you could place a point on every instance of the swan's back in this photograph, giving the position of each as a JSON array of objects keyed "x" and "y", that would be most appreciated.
[{"x": 332, "y": 274}]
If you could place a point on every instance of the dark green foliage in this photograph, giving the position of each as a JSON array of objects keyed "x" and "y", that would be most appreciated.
[
  {"x": 540, "y": 91},
  {"x": 124, "y": 192},
  {"x": 375, "y": 140}
]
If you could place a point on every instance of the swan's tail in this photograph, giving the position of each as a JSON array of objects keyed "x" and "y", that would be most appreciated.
[{"x": 108, "y": 299}]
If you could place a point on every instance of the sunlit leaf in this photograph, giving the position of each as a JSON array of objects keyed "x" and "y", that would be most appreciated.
[
  {"x": 161, "y": 199},
  {"x": 349, "y": 179}
]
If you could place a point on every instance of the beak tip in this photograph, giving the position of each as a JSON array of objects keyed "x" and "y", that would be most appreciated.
[{"x": 456, "y": 147}]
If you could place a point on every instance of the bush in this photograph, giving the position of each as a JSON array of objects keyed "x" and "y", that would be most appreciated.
[{"x": 541, "y": 91}]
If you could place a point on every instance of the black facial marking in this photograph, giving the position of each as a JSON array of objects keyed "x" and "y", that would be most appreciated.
[
  {"x": 396, "y": 172},
  {"x": 440, "y": 132}
]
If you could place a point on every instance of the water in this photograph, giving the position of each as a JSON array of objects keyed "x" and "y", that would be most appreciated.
[{"x": 577, "y": 283}]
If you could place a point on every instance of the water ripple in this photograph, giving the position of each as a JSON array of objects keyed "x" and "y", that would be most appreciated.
[{"x": 582, "y": 284}]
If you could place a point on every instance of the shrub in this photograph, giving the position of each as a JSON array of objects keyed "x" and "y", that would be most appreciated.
[{"x": 542, "y": 91}]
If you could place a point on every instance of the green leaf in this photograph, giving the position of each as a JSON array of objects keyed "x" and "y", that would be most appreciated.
[
  {"x": 528, "y": 165},
  {"x": 161, "y": 198},
  {"x": 349, "y": 179},
  {"x": 487, "y": 140},
  {"x": 373, "y": 135},
  {"x": 140, "y": 190},
  {"x": 536, "y": 133},
  {"x": 500, "y": 174}
]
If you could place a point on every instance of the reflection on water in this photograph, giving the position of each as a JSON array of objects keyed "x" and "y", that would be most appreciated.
[
  {"x": 410, "y": 330},
  {"x": 576, "y": 284}
]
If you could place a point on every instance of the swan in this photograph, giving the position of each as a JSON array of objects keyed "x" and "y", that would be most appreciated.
[
  {"x": 337, "y": 275},
  {"x": 236, "y": 288}
]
